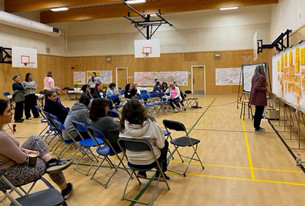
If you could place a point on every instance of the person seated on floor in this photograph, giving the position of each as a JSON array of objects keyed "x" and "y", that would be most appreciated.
[
  {"x": 54, "y": 106},
  {"x": 86, "y": 90},
  {"x": 14, "y": 159},
  {"x": 100, "y": 119},
  {"x": 79, "y": 112},
  {"x": 135, "y": 123},
  {"x": 98, "y": 92}
]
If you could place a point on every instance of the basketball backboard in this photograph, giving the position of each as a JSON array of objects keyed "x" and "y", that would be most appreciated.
[
  {"x": 147, "y": 48},
  {"x": 24, "y": 57}
]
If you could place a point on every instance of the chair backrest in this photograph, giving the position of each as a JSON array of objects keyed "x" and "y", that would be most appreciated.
[
  {"x": 135, "y": 145},
  {"x": 174, "y": 125},
  {"x": 114, "y": 98},
  {"x": 154, "y": 94},
  {"x": 143, "y": 91},
  {"x": 6, "y": 94},
  {"x": 97, "y": 133},
  {"x": 144, "y": 96},
  {"x": 113, "y": 114},
  {"x": 122, "y": 92},
  {"x": 188, "y": 92},
  {"x": 79, "y": 126},
  {"x": 59, "y": 125}
]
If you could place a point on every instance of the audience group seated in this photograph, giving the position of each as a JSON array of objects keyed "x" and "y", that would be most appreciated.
[{"x": 92, "y": 109}]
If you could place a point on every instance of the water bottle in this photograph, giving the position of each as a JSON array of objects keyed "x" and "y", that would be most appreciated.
[{"x": 298, "y": 160}]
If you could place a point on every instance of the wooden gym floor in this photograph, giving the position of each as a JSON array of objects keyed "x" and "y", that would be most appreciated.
[{"x": 241, "y": 167}]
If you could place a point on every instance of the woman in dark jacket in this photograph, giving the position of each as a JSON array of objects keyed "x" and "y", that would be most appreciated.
[
  {"x": 54, "y": 106},
  {"x": 100, "y": 119},
  {"x": 18, "y": 98},
  {"x": 128, "y": 94},
  {"x": 87, "y": 91},
  {"x": 258, "y": 96}
]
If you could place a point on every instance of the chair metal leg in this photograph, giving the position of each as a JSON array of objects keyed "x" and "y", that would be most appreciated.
[{"x": 81, "y": 157}]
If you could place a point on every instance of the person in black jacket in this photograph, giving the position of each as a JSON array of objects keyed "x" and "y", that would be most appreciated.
[
  {"x": 86, "y": 90},
  {"x": 54, "y": 106},
  {"x": 98, "y": 92},
  {"x": 18, "y": 98},
  {"x": 128, "y": 94}
]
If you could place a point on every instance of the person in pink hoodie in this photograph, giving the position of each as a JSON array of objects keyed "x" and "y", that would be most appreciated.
[{"x": 49, "y": 82}]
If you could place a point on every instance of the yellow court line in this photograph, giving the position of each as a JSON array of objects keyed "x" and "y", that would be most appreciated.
[
  {"x": 248, "y": 179},
  {"x": 241, "y": 167},
  {"x": 248, "y": 151}
]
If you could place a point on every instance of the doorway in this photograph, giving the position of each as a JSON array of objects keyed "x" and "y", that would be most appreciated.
[
  {"x": 121, "y": 77},
  {"x": 198, "y": 79}
]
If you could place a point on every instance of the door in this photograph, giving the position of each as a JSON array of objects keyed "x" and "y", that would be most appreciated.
[
  {"x": 121, "y": 77},
  {"x": 199, "y": 79}
]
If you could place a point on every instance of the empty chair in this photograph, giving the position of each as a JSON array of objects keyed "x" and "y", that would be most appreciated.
[
  {"x": 143, "y": 145},
  {"x": 47, "y": 197},
  {"x": 184, "y": 141}
]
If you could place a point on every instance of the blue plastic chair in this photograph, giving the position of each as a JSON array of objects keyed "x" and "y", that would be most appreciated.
[
  {"x": 86, "y": 144},
  {"x": 113, "y": 114},
  {"x": 122, "y": 92},
  {"x": 105, "y": 151},
  {"x": 143, "y": 91},
  {"x": 114, "y": 99}
]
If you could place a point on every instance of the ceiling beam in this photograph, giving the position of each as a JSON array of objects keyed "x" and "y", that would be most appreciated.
[
  {"x": 41, "y": 5},
  {"x": 166, "y": 7}
]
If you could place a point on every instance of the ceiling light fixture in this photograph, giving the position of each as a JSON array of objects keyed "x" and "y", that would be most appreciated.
[
  {"x": 229, "y": 8},
  {"x": 135, "y": 1},
  {"x": 60, "y": 9}
]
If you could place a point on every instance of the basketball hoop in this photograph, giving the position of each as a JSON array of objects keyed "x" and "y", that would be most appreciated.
[
  {"x": 145, "y": 55},
  {"x": 29, "y": 64},
  {"x": 146, "y": 51}
]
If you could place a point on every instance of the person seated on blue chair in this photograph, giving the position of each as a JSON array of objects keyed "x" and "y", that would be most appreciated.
[
  {"x": 98, "y": 92},
  {"x": 111, "y": 91},
  {"x": 100, "y": 119},
  {"x": 87, "y": 91},
  {"x": 54, "y": 106},
  {"x": 79, "y": 112},
  {"x": 14, "y": 160},
  {"x": 137, "y": 124}
]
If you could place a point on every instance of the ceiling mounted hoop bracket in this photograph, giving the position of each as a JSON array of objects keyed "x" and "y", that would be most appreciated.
[{"x": 147, "y": 23}]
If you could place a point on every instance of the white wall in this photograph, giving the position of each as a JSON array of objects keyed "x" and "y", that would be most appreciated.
[
  {"x": 11, "y": 36},
  {"x": 192, "y": 32},
  {"x": 287, "y": 14}
]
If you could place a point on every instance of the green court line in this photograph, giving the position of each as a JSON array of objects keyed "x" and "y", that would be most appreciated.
[{"x": 153, "y": 177}]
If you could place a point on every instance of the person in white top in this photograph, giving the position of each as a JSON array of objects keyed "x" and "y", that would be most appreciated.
[
  {"x": 92, "y": 81},
  {"x": 174, "y": 96},
  {"x": 135, "y": 123}
]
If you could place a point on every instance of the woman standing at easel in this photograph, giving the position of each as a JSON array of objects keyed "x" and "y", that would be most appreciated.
[{"x": 258, "y": 96}]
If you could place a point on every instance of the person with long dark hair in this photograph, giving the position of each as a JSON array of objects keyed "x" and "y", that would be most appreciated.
[
  {"x": 100, "y": 119},
  {"x": 54, "y": 106},
  {"x": 14, "y": 159},
  {"x": 30, "y": 97},
  {"x": 136, "y": 123},
  {"x": 49, "y": 83},
  {"x": 18, "y": 98},
  {"x": 128, "y": 94},
  {"x": 258, "y": 96},
  {"x": 98, "y": 92},
  {"x": 86, "y": 90},
  {"x": 93, "y": 81},
  {"x": 164, "y": 87}
]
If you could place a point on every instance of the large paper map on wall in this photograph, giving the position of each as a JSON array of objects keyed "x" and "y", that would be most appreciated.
[
  {"x": 106, "y": 76},
  {"x": 148, "y": 78},
  {"x": 227, "y": 76},
  {"x": 288, "y": 76},
  {"x": 79, "y": 78}
]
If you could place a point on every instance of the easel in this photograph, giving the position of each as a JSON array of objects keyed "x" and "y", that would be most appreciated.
[{"x": 9, "y": 126}]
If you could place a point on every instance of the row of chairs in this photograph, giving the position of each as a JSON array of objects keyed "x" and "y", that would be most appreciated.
[{"x": 98, "y": 139}]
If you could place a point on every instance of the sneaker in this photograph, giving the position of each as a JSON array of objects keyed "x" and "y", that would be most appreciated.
[
  {"x": 55, "y": 165},
  {"x": 142, "y": 175},
  {"x": 30, "y": 118},
  {"x": 19, "y": 121},
  {"x": 158, "y": 174},
  {"x": 66, "y": 193},
  {"x": 260, "y": 130},
  {"x": 175, "y": 110}
]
